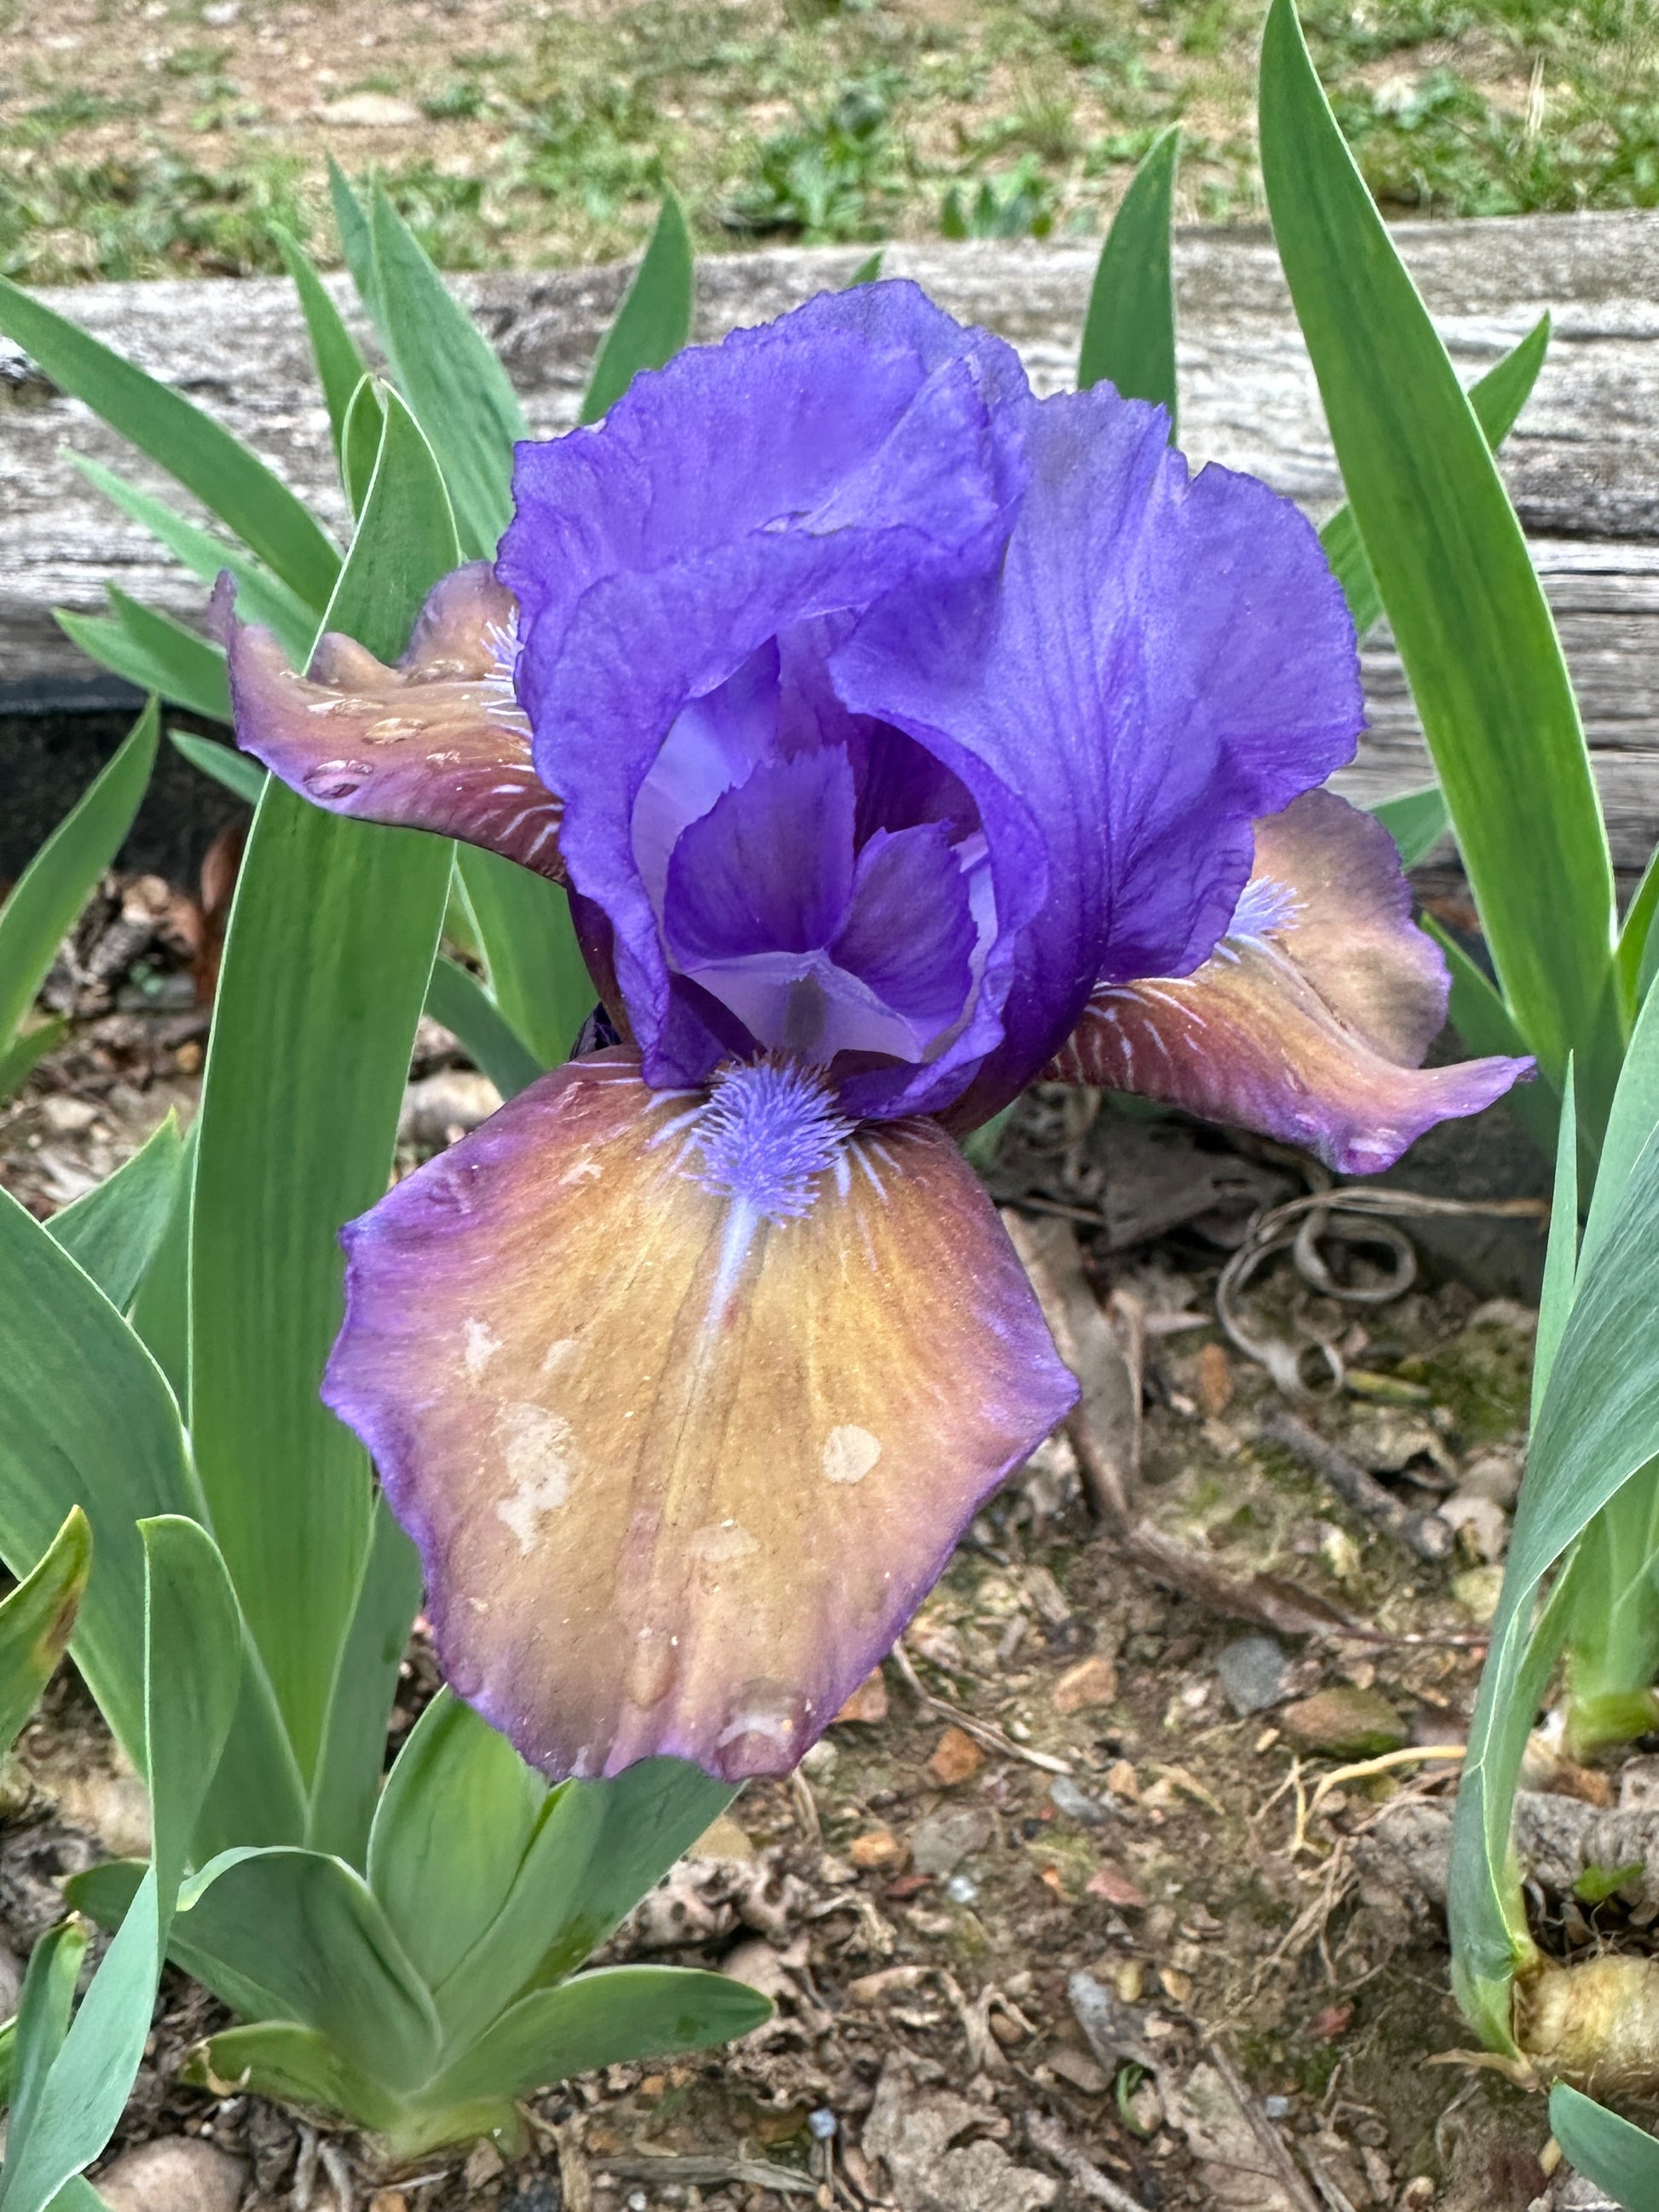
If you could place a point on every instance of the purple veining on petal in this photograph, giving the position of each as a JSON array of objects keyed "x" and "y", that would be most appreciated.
[
  {"x": 816, "y": 950},
  {"x": 719, "y": 534},
  {"x": 1309, "y": 1019},
  {"x": 768, "y": 868}
]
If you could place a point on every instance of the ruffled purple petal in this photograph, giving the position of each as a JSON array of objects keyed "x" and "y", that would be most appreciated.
[
  {"x": 1309, "y": 1021},
  {"x": 1162, "y": 659},
  {"x": 909, "y": 934},
  {"x": 437, "y": 743},
  {"x": 685, "y": 1403},
  {"x": 768, "y": 868},
  {"x": 748, "y": 493}
]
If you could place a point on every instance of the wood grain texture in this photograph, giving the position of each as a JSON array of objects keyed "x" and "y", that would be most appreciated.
[{"x": 1582, "y": 463}]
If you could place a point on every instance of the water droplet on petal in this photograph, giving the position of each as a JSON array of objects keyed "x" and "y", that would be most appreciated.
[
  {"x": 333, "y": 781},
  {"x": 652, "y": 1667},
  {"x": 765, "y": 1732}
]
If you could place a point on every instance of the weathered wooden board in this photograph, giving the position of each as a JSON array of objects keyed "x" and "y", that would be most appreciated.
[{"x": 1582, "y": 463}]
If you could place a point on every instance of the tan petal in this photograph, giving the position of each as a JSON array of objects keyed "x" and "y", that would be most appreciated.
[
  {"x": 437, "y": 743},
  {"x": 679, "y": 1477}
]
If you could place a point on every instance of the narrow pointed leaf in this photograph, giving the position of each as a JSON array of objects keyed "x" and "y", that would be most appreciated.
[
  {"x": 1478, "y": 1015},
  {"x": 340, "y": 366},
  {"x": 230, "y": 481},
  {"x": 356, "y": 239},
  {"x": 1468, "y": 612},
  {"x": 1129, "y": 331},
  {"x": 1497, "y": 398},
  {"x": 63, "y": 874},
  {"x": 354, "y": 1740},
  {"x": 462, "y": 1004},
  {"x": 538, "y": 976},
  {"x": 43, "y": 2018},
  {"x": 652, "y": 1813},
  {"x": 360, "y": 441},
  {"x": 655, "y": 319},
  {"x": 85, "y": 1417},
  {"x": 1417, "y": 821},
  {"x": 868, "y": 271},
  {"x": 1617, "y": 2157},
  {"x": 1597, "y": 1428},
  {"x": 298, "y": 1935},
  {"x": 456, "y": 1817},
  {"x": 261, "y": 595},
  {"x": 154, "y": 651},
  {"x": 192, "y": 1669},
  {"x": 1637, "y": 943},
  {"x": 238, "y": 773},
  {"x": 35, "y": 1622},
  {"x": 1631, "y": 1127},
  {"x": 1561, "y": 1258},
  {"x": 332, "y": 937},
  {"x": 160, "y": 1313},
  {"x": 601, "y": 2019},
  {"x": 597, "y": 1848},
  {"x": 19, "y": 1060},
  {"x": 113, "y": 1232},
  {"x": 447, "y": 371}
]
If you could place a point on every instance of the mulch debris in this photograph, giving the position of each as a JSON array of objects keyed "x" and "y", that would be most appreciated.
[{"x": 1117, "y": 1886}]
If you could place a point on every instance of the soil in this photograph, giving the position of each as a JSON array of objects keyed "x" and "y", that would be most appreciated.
[{"x": 1067, "y": 1770}]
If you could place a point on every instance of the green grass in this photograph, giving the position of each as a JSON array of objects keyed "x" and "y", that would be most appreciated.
[{"x": 161, "y": 146}]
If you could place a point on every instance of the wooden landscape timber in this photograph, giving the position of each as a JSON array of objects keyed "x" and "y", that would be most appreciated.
[{"x": 1582, "y": 463}]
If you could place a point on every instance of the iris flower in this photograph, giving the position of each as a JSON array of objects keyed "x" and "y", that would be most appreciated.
[{"x": 901, "y": 739}]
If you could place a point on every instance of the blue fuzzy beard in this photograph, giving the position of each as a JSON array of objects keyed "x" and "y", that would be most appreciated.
[{"x": 767, "y": 1134}]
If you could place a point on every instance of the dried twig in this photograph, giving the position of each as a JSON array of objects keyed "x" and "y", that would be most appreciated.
[
  {"x": 1102, "y": 1347},
  {"x": 806, "y": 1807},
  {"x": 1426, "y": 1534},
  {"x": 1273, "y": 2145},
  {"x": 339, "y": 2175},
  {"x": 712, "y": 2174},
  {"x": 575, "y": 2183},
  {"x": 305, "y": 2170},
  {"x": 1335, "y": 2197},
  {"x": 983, "y": 1732},
  {"x": 1047, "y": 2136}
]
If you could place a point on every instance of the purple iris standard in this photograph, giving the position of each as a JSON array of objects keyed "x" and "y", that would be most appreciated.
[{"x": 900, "y": 738}]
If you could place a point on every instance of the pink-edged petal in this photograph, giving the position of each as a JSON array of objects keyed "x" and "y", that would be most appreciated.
[
  {"x": 680, "y": 1472},
  {"x": 436, "y": 743},
  {"x": 1309, "y": 1020}
]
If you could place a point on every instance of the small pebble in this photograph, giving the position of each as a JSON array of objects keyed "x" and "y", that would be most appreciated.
[
  {"x": 943, "y": 1840},
  {"x": 67, "y": 1117},
  {"x": 1343, "y": 1722},
  {"x": 962, "y": 1889},
  {"x": 1215, "y": 1379},
  {"x": 878, "y": 1850},
  {"x": 485, "y": 2163},
  {"x": 956, "y": 1758},
  {"x": 1074, "y": 1803},
  {"x": 868, "y": 1702},
  {"x": 1483, "y": 1524},
  {"x": 1092, "y": 1682},
  {"x": 1252, "y": 1670},
  {"x": 1276, "y": 2108},
  {"x": 173, "y": 2173}
]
